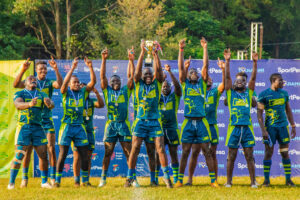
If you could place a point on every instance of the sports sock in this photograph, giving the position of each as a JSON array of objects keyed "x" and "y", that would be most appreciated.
[
  {"x": 134, "y": 174},
  {"x": 212, "y": 176},
  {"x": 13, "y": 175},
  {"x": 157, "y": 169},
  {"x": 175, "y": 167},
  {"x": 58, "y": 177},
  {"x": 130, "y": 173},
  {"x": 267, "y": 168},
  {"x": 104, "y": 174},
  {"x": 77, "y": 179},
  {"x": 25, "y": 173},
  {"x": 180, "y": 177},
  {"x": 44, "y": 176},
  {"x": 166, "y": 172},
  {"x": 52, "y": 172},
  {"x": 84, "y": 176},
  {"x": 152, "y": 176},
  {"x": 287, "y": 168}
]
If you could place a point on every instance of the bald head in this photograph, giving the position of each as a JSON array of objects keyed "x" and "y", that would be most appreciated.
[{"x": 30, "y": 83}]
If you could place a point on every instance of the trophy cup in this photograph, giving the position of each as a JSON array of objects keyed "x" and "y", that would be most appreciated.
[{"x": 149, "y": 47}]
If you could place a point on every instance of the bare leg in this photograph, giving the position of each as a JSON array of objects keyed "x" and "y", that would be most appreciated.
[
  {"x": 213, "y": 149},
  {"x": 250, "y": 162},
  {"x": 26, "y": 162},
  {"x": 230, "y": 163},
  {"x": 52, "y": 154},
  {"x": 196, "y": 148},
  {"x": 76, "y": 166}
]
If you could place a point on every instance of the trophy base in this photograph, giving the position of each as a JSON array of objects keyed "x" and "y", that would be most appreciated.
[{"x": 148, "y": 62}]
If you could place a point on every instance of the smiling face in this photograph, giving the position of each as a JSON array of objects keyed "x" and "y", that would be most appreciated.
[
  {"x": 41, "y": 70},
  {"x": 240, "y": 83},
  {"x": 166, "y": 88},
  {"x": 193, "y": 75},
  {"x": 115, "y": 82},
  {"x": 147, "y": 75},
  {"x": 74, "y": 83},
  {"x": 30, "y": 83}
]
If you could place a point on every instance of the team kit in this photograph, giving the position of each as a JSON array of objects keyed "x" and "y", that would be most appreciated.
[{"x": 155, "y": 119}]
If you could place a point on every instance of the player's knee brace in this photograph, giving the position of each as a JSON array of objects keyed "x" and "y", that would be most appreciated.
[{"x": 19, "y": 155}]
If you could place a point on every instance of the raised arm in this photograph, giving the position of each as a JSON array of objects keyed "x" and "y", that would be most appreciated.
[
  {"x": 100, "y": 102},
  {"x": 18, "y": 83},
  {"x": 21, "y": 105},
  {"x": 290, "y": 117},
  {"x": 67, "y": 79},
  {"x": 56, "y": 84},
  {"x": 252, "y": 80},
  {"x": 158, "y": 72},
  {"x": 228, "y": 81},
  {"x": 104, "y": 81},
  {"x": 221, "y": 87},
  {"x": 93, "y": 81},
  {"x": 130, "y": 68},
  {"x": 138, "y": 71},
  {"x": 181, "y": 70},
  {"x": 260, "y": 118},
  {"x": 176, "y": 84},
  {"x": 204, "y": 71},
  {"x": 187, "y": 64}
]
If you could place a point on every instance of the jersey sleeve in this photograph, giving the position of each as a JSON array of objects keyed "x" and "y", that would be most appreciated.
[
  {"x": 261, "y": 98},
  {"x": 18, "y": 95}
]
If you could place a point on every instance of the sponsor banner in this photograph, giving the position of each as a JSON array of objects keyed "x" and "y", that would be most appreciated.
[{"x": 290, "y": 70}]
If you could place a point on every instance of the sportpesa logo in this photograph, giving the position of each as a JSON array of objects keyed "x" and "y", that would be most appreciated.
[
  {"x": 288, "y": 70},
  {"x": 294, "y": 97},
  {"x": 244, "y": 69},
  {"x": 291, "y": 84}
]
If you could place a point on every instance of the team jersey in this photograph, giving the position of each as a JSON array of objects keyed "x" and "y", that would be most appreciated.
[
  {"x": 73, "y": 105},
  {"x": 168, "y": 106},
  {"x": 46, "y": 87},
  {"x": 275, "y": 103},
  {"x": 239, "y": 105},
  {"x": 117, "y": 103},
  {"x": 148, "y": 97},
  {"x": 31, "y": 115},
  {"x": 194, "y": 98},
  {"x": 88, "y": 114},
  {"x": 211, "y": 105}
]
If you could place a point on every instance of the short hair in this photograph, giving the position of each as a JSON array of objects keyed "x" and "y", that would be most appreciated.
[
  {"x": 115, "y": 75},
  {"x": 168, "y": 82},
  {"x": 241, "y": 74},
  {"x": 145, "y": 68},
  {"x": 274, "y": 76},
  {"x": 192, "y": 69},
  {"x": 40, "y": 62},
  {"x": 74, "y": 76}
]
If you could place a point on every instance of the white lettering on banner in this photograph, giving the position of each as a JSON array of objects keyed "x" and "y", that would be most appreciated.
[
  {"x": 288, "y": 70},
  {"x": 95, "y": 167},
  {"x": 294, "y": 152},
  {"x": 86, "y": 69},
  {"x": 99, "y": 143},
  {"x": 291, "y": 83},
  {"x": 142, "y": 155},
  {"x": 244, "y": 69},
  {"x": 255, "y": 124},
  {"x": 244, "y": 166},
  {"x": 55, "y": 93},
  {"x": 296, "y": 111},
  {"x": 198, "y": 70},
  {"x": 221, "y": 138},
  {"x": 260, "y": 84},
  {"x": 54, "y": 117},
  {"x": 253, "y": 110},
  {"x": 258, "y": 138},
  {"x": 296, "y": 139},
  {"x": 220, "y": 152},
  {"x": 294, "y": 97},
  {"x": 70, "y": 156},
  {"x": 222, "y": 98},
  {"x": 221, "y": 125},
  {"x": 220, "y": 111},
  {"x": 258, "y": 152},
  {"x": 180, "y": 111},
  {"x": 214, "y": 70},
  {"x": 202, "y": 165},
  {"x": 99, "y": 117}
]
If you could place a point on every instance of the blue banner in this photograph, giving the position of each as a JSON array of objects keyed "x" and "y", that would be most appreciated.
[{"x": 290, "y": 70}]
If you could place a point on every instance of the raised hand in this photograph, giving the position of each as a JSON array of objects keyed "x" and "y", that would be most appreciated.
[
  {"x": 26, "y": 65},
  {"x": 221, "y": 64},
  {"x": 131, "y": 53},
  {"x": 254, "y": 56},
  {"x": 52, "y": 63},
  {"x": 227, "y": 54},
  {"x": 47, "y": 102},
  {"x": 167, "y": 68},
  {"x": 187, "y": 63},
  {"x": 143, "y": 45},
  {"x": 33, "y": 102},
  {"x": 182, "y": 44},
  {"x": 104, "y": 54},
  {"x": 75, "y": 63},
  {"x": 88, "y": 62},
  {"x": 203, "y": 42}
]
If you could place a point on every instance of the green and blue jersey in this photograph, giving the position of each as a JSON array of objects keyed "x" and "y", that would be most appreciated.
[
  {"x": 275, "y": 104},
  {"x": 31, "y": 115},
  {"x": 46, "y": 87},
  {"x": 168, "y": 106},
  {"x": 148, "y": 97},
  {"x": 88, "y": 114},
  {"x": 117, "y": 103},
  {"x": 194, "y": 98},
  {"x": 73, "y": 104},
  {"x": 239, "y": 105},
  {"x": 211, "y": 105}
]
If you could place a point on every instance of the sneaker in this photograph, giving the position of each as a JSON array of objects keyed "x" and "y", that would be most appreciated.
[
  {"x": 11, "y": 186},
  {"x": 153, "y": 184},
  {"x": 128, "y": 182},
  {"x": 178, "y": 184},
  {"x": 46, "y": 185},
  {"x": 227, "y": 185},
  {"x": 290, "y": 183},
  {"x": 266, "y": 183},
  {"x": 89, "y": 184},
  {"x": 215, "y": 184},
  {"x": 86, "y": 184},
  {"x": 24, "y": 183},
  {"x": 56, "y": 185},
  {"x": 136, "y": 184},
  {"x": 188, "y": 184},
  {"x": 77, "y": 184},
  {"x": 102, "y": 183},
  {"x": 168, "y": 182},
  {"x": 254, "y": 186}
]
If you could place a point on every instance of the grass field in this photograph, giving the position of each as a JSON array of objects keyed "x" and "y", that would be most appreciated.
[{"x": 115, "y": 190}]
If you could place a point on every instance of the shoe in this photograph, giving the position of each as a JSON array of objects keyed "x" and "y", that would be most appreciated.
[
  {"x": 77, "y": 184},
  {"x": 46, "y": 185},
  {"x": 86, "y": 184},
  {"x": 11, "y": 186},
  {"x": 168, "y": 182},
  {"x": 128, "y": 182},
  {"x": 102, "y": 183},
  {"x": 215, "y": 184},
  {"x": 227, "y": 185},
  {"x": 24, "y": 183},
  {"x": 178, "y": 184},
  {"x": 153, "y": 184},
  {"x": 135, "y": 184},
  {"x": 188, "y": 184},
  {"x": 266, "y": 183},
  {"x": 290, "y": 183},
  {"x": 89, "y": 184},
  {"x": 254, "y": 186},
  {"x": 56, "y": 185}
]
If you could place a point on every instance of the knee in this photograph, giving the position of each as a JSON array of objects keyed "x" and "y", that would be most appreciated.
[
  {"x": 285, "y": 155},
  {"x": 249, "y": 157},
  {"x": 108, "y": 152},
  {"x": 44, "y": 156},
  {"x": 195, "y": 154},
  {"x": 160, "y": 149},
  {"x": 214, "y": 155},
  {"x": 231, "y": 157}
]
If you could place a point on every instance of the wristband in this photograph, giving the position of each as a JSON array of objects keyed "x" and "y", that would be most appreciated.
[{"x": 181, "y": 49}]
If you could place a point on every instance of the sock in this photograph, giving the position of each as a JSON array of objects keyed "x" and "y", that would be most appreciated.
[
  {"x": 52, "y": 172},
  {"x": 157, "y": 169},
  {"x": 103, "y": 175},
  {"x": 267, "y": 168},
  {"x": 152, "y": 176},
  {"x": 130, "y": 173},
  {"x": 212, "y": 176},
  {"x": 166, "y": 172},
  {"x": 58, "y": 177},
  {"x": 84, "y": 176},
  {"x": 134, "y": 174},
  {"x": 77, "y": 179},
  {"x": 44, "y": 176},
  {"x": 25, "y": 173},
  {"x": 13, "y": 175},
  {"x": 180, "y": 177},
  {"x": 287, "y": 168},
  {"x": 175, "y": 168}
]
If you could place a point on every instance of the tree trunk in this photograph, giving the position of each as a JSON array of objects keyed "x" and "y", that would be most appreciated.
[
  {"x": 58, "y": 30},
  {"x": 68, "y": 8}
]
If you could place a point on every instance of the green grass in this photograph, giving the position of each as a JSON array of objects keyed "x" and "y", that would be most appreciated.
[{"x": 114, "y": 190}]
